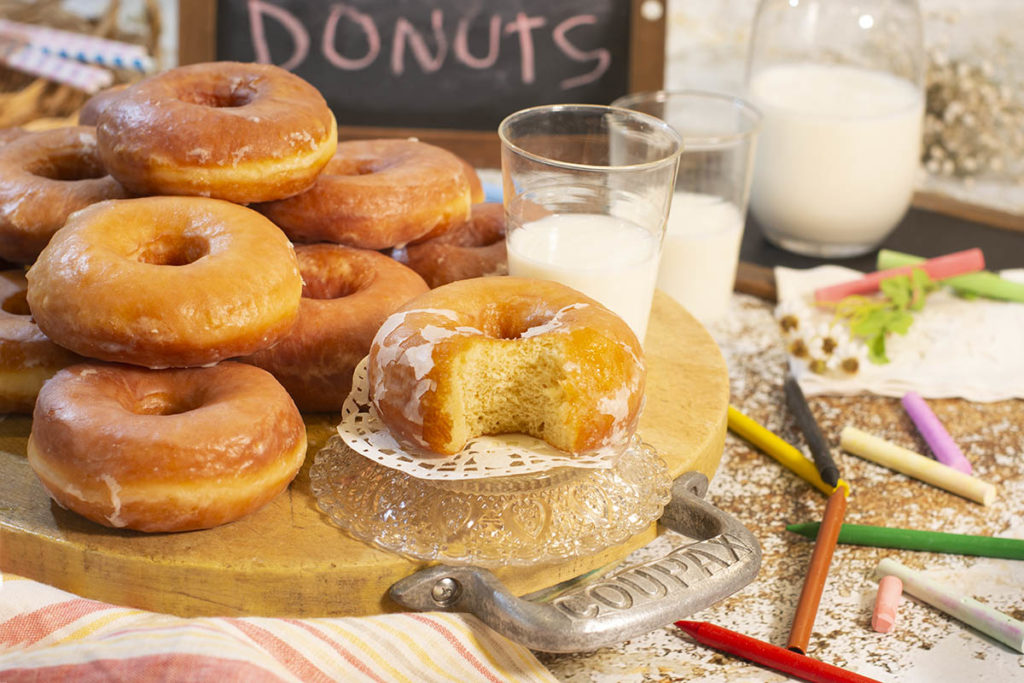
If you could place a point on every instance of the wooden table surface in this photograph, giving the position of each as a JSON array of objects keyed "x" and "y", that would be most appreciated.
[{"x": 287, "y": 559}]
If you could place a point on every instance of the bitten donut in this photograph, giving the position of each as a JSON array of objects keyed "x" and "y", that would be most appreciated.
[
  {"x": 45, "y": 177},
  {"x": 474, "y": 249},
  {"x": 501, "y": 354},
  {"x": 165, "y": 450},
  {"x": 346, "y": 295},
  {"x": 241, "y": 132},
  {"x": 27, "y": 357},
  {"x": 166, "y": 282},
  {"x": 376, "y": 194},
  {"x": 90, "y": 112}
]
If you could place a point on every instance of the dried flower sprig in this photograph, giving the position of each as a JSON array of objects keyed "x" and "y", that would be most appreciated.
[{"x": 874, "y": 318}]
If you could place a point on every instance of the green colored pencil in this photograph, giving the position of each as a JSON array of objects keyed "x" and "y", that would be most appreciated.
[
  {"x": 913, "y": 539},
  {"x": 982, "y": 283}
]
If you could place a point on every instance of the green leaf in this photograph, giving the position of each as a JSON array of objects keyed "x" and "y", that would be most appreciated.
[
  {"x": 900, "y": 322},
  {"x": 897, "y": 288},
  {"x": 921, "y": 284},
  {"x": 875, "y": 322},
  {"x": 876, "y": 349}
]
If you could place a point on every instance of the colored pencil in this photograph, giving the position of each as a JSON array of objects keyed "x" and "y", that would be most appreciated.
[
  {"x": 915, "y": 465},
  {"x": 766, "y": 654},
  {"x": 820, "y": 451},
  {"x": 939, "y": 268},
  {"x": 982, "y": 283},
  {"x": 890, "y": 592},
  {"x": 914, "y": 539},
  {"x": 817, "y": 573},
  {"x": 938, "y": 439},
  {"x": 786, "y": 454},
  {"x": 953, "y": 602}
]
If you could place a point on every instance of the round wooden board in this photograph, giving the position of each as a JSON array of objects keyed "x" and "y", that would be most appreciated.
[{"x": 288, "y": 559}]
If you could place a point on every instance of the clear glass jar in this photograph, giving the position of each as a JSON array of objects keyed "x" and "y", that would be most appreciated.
[{"x": 841, "y": 88}]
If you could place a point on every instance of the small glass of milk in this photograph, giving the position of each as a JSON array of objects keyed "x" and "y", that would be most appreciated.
[
  {"x": 587, "y": 190},
  {"x": 709, "y": 206},
  {"x": 840, "y": 86}
]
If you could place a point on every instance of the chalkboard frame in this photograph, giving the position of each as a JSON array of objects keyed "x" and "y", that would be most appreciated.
[{"x": 646, "y": 71}]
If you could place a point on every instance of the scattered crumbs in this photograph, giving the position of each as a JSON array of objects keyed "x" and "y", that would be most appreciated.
[{"x": 766, "y": 497}]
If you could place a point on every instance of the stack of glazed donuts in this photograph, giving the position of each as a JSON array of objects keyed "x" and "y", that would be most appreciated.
[{"x": 164, "y": 281}]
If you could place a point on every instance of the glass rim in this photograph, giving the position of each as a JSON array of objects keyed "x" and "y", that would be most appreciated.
[
  {"x": 660, "y": 124},
  {"x": 751, "y": 114}
]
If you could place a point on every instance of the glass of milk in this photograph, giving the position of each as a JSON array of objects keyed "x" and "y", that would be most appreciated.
[
  {"x": 709, "y": 207},
  {"x": 587, "y": 190},
  {"x": 840, "y": 85}
]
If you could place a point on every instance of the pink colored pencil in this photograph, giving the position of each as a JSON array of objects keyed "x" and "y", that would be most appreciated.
[{"x": 938, "y": 268}]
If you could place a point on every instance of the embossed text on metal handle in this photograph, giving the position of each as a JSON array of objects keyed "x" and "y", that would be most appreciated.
[{"x": 629, "y": 602}]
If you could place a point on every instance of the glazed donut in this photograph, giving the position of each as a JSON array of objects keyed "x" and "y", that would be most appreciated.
[
  {"x": 474, "y": 249},
  {"x": 90, "y": 112},
  {"x": 501, "y": 354},
  {"x": 376, "y": 194},
  {"x": 476, "y": 187},
  {"x": 27, "y": 357},
  {"x": 9, "y": 134},
  {"x": 166, "y": 282},
  {"x": 45, "y": 177},
  {"x": 165, "y": 450},
  {"x": 241, "y": 132},
  {"x": 346, "y": 295}
]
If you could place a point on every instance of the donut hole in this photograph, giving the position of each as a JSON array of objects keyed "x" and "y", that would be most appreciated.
[
  {"x": 16, "y": 304},
  {"x": 69, "y": 167},
  {"x": 173, "y": 250},
  {"x": 218, "y": 98},
  {"x": 163, "y": 403}
]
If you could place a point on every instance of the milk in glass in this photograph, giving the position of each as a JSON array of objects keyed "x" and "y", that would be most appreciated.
[
  {"x": 838, "y": 152},
  {"x": 700, "y": 253},
  {"x": 608, "y": 258}
]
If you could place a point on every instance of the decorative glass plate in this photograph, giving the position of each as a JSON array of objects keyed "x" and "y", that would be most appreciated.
[{"x": 537, "y": 518}]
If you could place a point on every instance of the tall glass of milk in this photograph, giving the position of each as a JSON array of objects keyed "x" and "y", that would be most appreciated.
[
  {"x": 587, "y": 190},
  {"x": 840, "y": 85},
  {"x": 705, "y": 224}
]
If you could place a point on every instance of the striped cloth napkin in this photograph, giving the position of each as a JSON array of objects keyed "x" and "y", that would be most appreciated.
[{"x": 47, "y": 634}]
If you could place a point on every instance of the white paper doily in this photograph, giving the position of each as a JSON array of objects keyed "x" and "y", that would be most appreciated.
[{"x": 486, "y": 456}]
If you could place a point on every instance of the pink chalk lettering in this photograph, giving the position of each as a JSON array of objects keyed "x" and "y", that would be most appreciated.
[
  {"x": 602, "y": 55},
  {"x": 365, "y": 22},
  {"x": 300, "y": 36},
  {"x": 462, "y": 52},
  {"x": 523, "y": 25},
  {"x": 404, "y": 31}
]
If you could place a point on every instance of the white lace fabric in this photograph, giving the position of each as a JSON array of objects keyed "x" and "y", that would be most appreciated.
[
  {"x": 955, "y": 347},
  {"x": 486, "y": 456}
]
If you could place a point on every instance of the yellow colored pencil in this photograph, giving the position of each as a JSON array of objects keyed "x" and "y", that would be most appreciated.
[{"x": 788, "y": 455}]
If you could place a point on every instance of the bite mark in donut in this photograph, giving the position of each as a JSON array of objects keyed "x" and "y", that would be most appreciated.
[{"x": 503, "y": 354}]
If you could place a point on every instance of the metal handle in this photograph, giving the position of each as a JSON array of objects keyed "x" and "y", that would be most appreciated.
[{"x": 627, "y": 603}]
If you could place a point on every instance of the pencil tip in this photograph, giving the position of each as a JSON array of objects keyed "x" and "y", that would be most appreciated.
[{"x": 830, "y": 475}]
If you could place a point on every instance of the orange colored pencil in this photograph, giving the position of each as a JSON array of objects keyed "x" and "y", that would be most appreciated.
[{"x": 817, "y": 573}]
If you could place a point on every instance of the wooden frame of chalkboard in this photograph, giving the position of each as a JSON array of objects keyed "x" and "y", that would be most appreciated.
[{"x": 391, "y": 42}]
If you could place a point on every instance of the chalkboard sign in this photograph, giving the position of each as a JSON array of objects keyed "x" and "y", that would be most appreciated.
[{"x": 447, "y": 71}]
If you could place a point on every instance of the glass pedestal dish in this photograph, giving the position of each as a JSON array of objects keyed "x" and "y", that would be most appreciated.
[{"x": 518, "y": 520}]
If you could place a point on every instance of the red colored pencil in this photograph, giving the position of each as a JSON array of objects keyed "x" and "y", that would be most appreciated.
[
  {"x": 938, "y": 268},
  {"x": 771, "y": 656}
]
